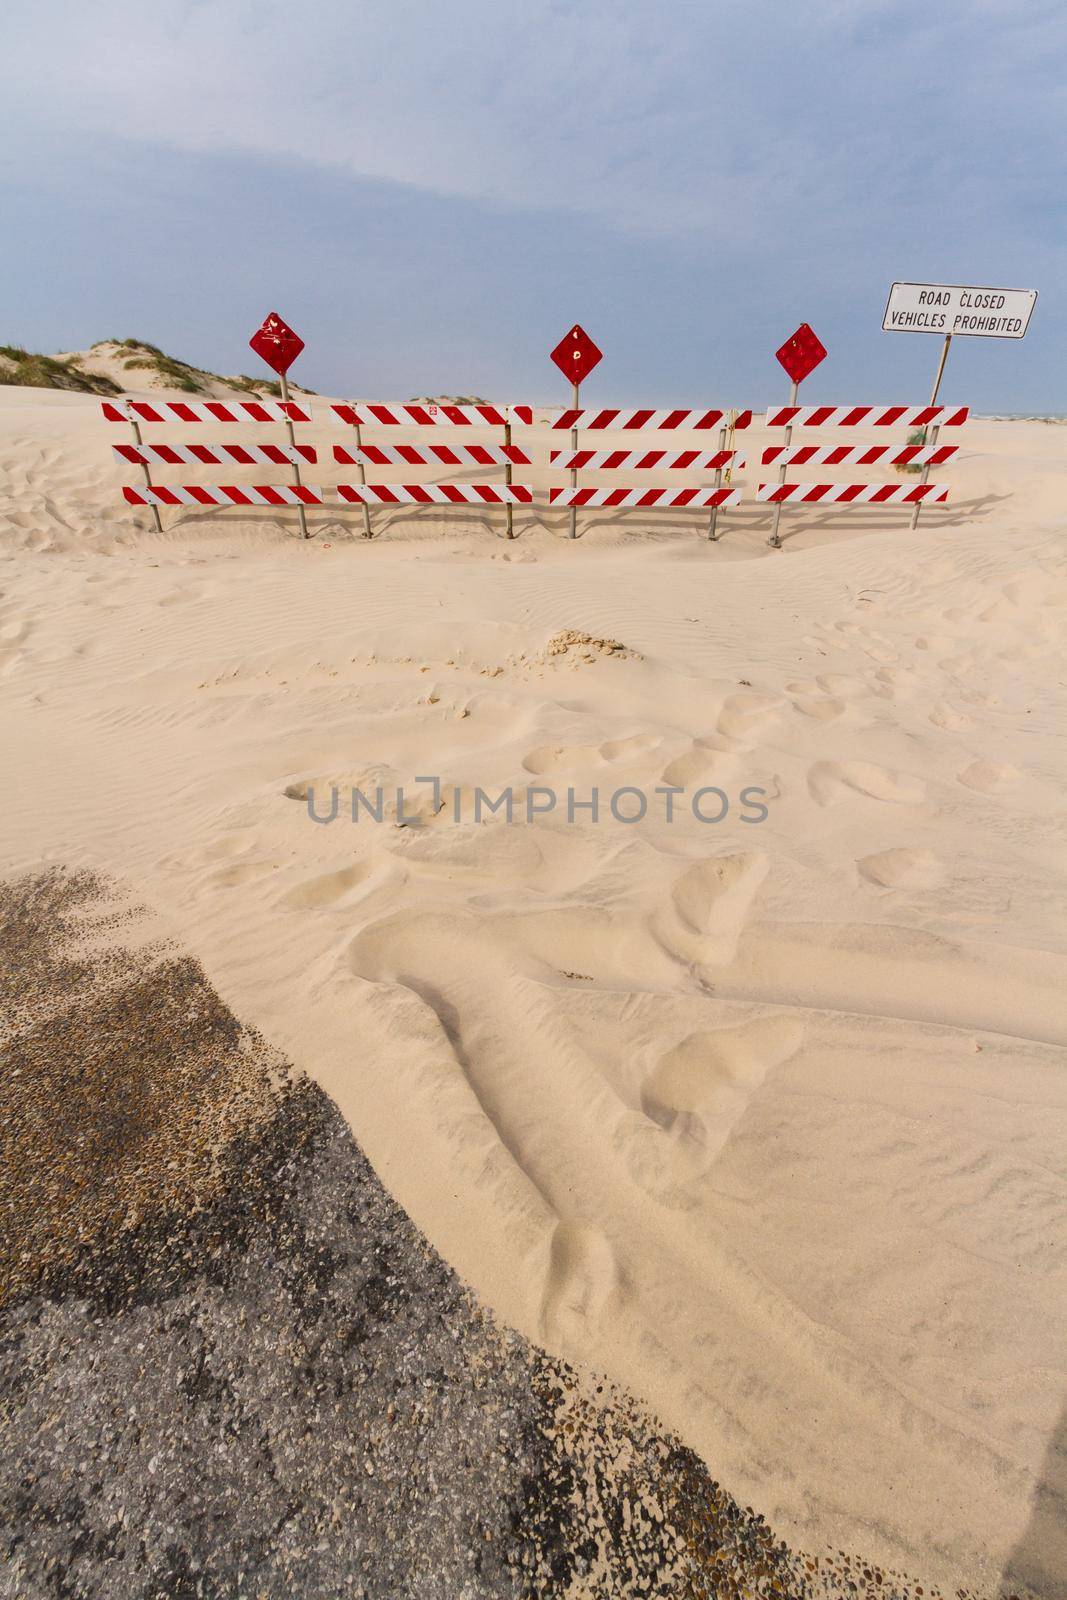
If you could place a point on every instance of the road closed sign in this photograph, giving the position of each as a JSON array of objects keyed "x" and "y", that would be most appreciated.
[{"x": 958, "y": 309}]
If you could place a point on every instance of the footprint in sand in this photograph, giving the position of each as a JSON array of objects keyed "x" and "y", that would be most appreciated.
[
  {"x": 226, "y": 847},
  {"x": 743, "y": 714},
  {"x": 902, "y": 869},
  {"x": 876, "y": 653},
  {"x": 242, "y": 872},
  {"x": 989, "y": 777},
  {"x": 842, "y": 685},
  {"x": 579, "y": 1282},
  {"x": 897, "y": 683},
  {"x": 559, "y": 757},
  {"x": 823, "y": 709},
  {"x": 1021, "y": 652},
  {"x": 830, "y": 782},
  {"x": 702, "y": 763},
  {"x": 710, "y": 905},
  {"x": 1033, "y": 589},
  {"x": 977, "y": 697},
  {"x": 637, "y": 744},
  {"x": 962, "y": 666},
  {"x": 374, "y": 792},
  {"x": 184, "y": 595},
  {"x": 945, "y": 716},
  {"x": 999, "y": 611},
  {"x": 326, "y": 889},
  {"x": 694, "y": 1097},
  {"x": 14, "y": 632}
]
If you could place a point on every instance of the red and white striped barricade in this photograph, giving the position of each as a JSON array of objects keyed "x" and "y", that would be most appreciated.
[
  {"x": 842, "y": 455},
  {"x": 631, "y": 419},
  {"x": 431, "y": 455},
  {"x": 868, "y": 494},
  {"x": 359, "y": 414},
  {"x": 205, "y": 411},
  {"x": 644, "y": 498},
  {"x": 627, "y": 419},
  {"x": 362, "y": 413},
  {"x": 926, "y": 455},
  {"x": 867, "y": 416},
  {"x": 230, "y": 494},
  {"x": 197, "y": 413},
  {"x": 435, "y": 494},
  {"x": 646, "y": 460},
  {"x": 214, "y": 455}
]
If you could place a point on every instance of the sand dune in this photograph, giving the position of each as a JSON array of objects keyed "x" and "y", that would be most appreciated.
[{"x": 765, "y": 1119}]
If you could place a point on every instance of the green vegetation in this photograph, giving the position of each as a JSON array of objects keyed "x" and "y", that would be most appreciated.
[
  {"x": 178, "y": 374},
  {"x": 448, "y": 400},
  {"x": 918, "y": 439},
  {"x": 19, "y": 366},
  {"x": 260, "y": 385}
]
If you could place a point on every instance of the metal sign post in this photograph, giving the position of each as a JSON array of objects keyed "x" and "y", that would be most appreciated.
[
  {"x": 726, "y": 442},
  {"x": 367, "y": 533},
  {"x": 713, "y": 519},
  {"x": 956, "y": 310},
  {"x": 278, "y": 345},
  {"x": 574, "y": 470},
  {"x": 576, "y": 355},
  {"x": 507, "y": 474},
  {"x": 800, "y": 355},
  {"x": 931, "y": 436},
  {"x": 144, "y": 468},
  {"x": 301, "y": 513},
  {"x": 775, "y": 538}
]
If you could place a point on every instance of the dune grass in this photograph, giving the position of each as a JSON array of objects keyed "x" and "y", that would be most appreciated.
[{"x": 24, "y": 367}]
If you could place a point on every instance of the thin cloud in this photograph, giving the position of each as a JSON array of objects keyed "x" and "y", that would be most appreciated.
[
  {"x": 433, "y": 193},
  {"x": 671, "y": 119}
]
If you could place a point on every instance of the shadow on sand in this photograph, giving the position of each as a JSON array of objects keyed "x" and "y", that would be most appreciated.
[{"x": 1038, "y": 1563}]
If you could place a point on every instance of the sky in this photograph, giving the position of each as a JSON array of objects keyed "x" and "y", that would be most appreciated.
[{"x": 433, "y": 194}]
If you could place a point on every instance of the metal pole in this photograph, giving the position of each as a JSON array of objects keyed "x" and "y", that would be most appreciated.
[
  {"x": 574, "y": 470},
  {"x": 932, "y": 438},
  {"x": 507, "y": 475},
  {"x": 367, "y": 534},
  {"x": 731, "y": 443},
  {"x": 144, "y": 468},
  {"x": 296, "y": 464},
  {"x": 774, "y": 539},
  {"x": 718, "y": 484}
]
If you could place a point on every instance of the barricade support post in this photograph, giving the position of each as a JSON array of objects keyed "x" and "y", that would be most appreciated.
[
  {"x": 775, "y": 538},
  {"x": 713, "y": 519},
  {"x": 144, "y": 468},
  {"x": 932, "y": 436}
]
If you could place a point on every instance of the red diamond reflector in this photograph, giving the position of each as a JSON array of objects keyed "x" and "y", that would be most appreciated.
[
  {"x": 276, "y": 343},
  {"x": 801, "y": 353},
  {"x": 576, "y": 355}
]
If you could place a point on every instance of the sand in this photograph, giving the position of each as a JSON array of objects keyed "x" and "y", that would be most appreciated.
[
  {"x": 230, "y": 1364},
  {"x": 763, "y": 1120}
]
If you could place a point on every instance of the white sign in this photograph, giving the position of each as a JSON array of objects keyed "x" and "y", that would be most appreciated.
[{"x": 954, "y": 308}]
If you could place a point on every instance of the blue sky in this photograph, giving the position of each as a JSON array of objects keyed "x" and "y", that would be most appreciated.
[{"x": 431, "y": 194}]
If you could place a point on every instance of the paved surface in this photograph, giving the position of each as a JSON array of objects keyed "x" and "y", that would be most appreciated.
[{"x": 231, "y": 1366}]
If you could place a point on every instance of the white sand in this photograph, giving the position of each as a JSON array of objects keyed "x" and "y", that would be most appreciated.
[
  {"x": 766, "y": 1121},
  {"x": 128, "y": 367}
]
